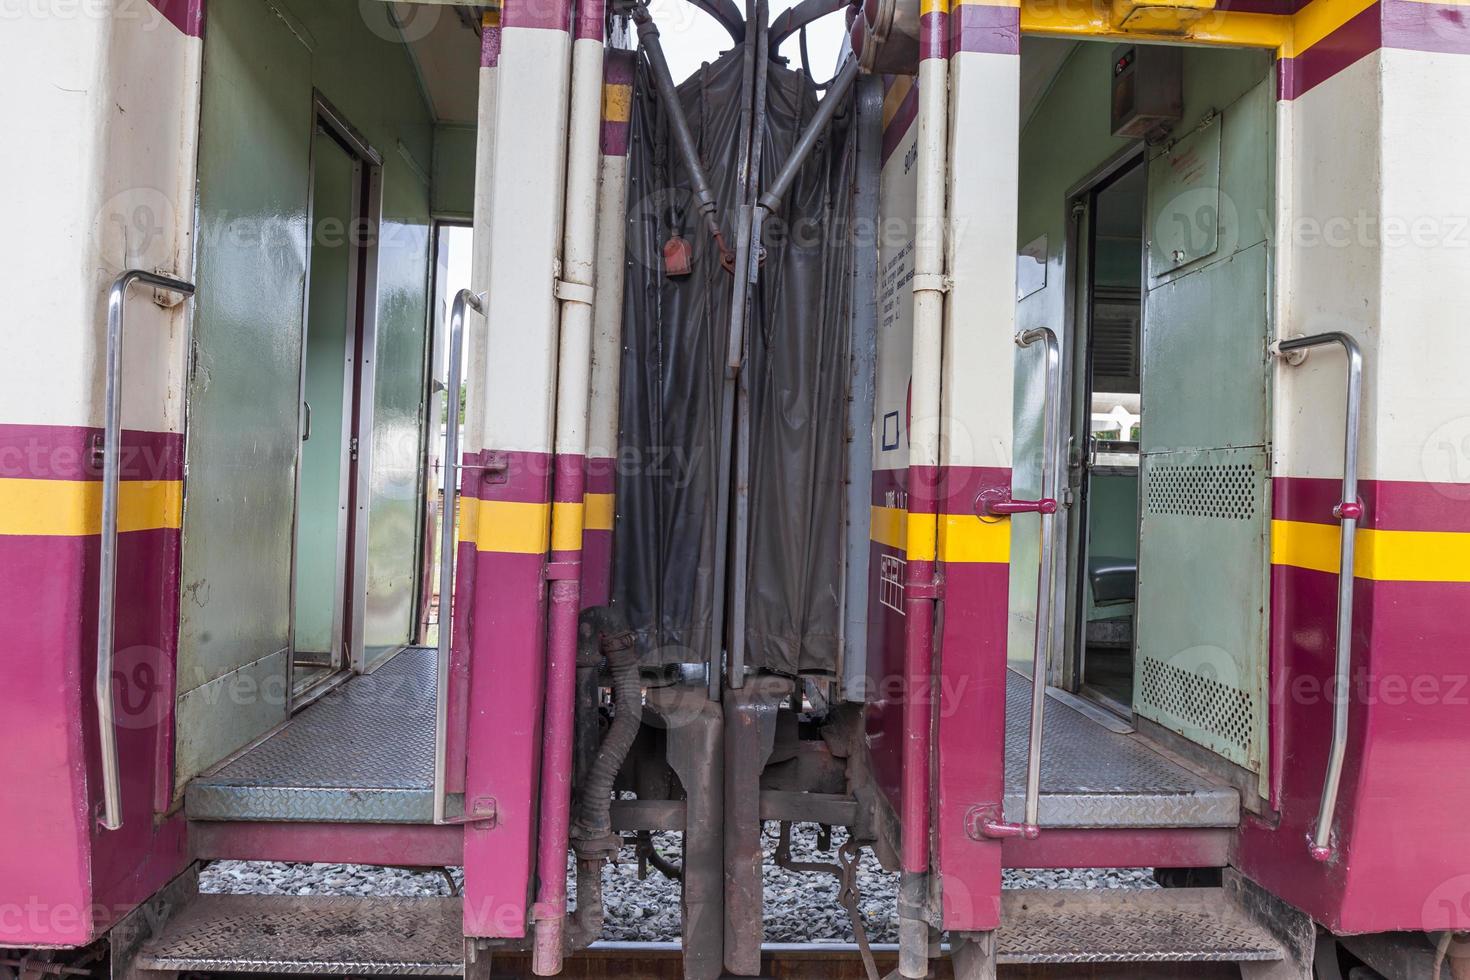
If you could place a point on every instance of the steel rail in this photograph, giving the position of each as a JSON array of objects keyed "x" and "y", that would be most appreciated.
[
  {"x": 448, "y": 551},
  {"x": 107, "y": 575},
  {"x": 1349, "y": 511}
]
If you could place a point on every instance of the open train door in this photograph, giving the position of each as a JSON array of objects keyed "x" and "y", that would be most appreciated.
[{"x": 1200, "y": 662}]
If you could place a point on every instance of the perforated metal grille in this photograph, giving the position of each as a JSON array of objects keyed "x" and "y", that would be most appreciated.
[
  {"x": 1198, "y": 700},
  {"x": 1225, "y": 490}
]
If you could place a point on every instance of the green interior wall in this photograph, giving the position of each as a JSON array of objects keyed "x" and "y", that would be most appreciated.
[
  {"x": 454, "y": 171},
  {"x": 1065, "y": 139},
  {"x": 262, "y": 60}
]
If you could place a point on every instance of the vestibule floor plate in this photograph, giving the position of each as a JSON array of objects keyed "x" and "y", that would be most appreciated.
[
  {"x": 311, "y": 935},
  {"x": 362, "y": 754},
  {"x": 1093, "y": 777},
  {"x": 1179, "y": 925}
]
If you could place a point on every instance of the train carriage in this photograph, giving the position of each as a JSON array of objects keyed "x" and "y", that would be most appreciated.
[{"x": 1039, "y": 444}]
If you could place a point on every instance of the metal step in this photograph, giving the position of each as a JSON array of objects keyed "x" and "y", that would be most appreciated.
[
  {"x": 1093, "y": 776},
  {"x": 362, "y": 754},
  {"x": 310, "y": 935},
  {"x": 1167, "y": 925}
]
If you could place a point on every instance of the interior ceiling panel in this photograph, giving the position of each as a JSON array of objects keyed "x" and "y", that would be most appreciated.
[{"x": 445, "y": 42}]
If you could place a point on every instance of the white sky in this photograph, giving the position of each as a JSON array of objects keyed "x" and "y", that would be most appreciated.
[{"x": 690, "y": 36}]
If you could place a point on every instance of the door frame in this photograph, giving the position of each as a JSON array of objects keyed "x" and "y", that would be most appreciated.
[
  {"x": 1078, "y": 265},
  {"x": 358, "y": 390},
  {"x": 436, "y": 341}
]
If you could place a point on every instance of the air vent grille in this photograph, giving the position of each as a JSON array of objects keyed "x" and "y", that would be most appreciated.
[{"x": 1227, "y": 491}]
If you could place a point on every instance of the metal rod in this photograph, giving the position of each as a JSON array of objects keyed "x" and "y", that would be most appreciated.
[
  {"x": 733, "y": 358},
  {"x": 1051, "y": 426},
  {"x": 828, "y": 108},
  {"x": 793, "y": 19},
  {"x": 1349, "y": 511},
  {"x": 448, "y": 551},
  {"x": 744, "y": 299},
  {"x": 668, "y": 94},
  {"x": 107, "y": 574}
]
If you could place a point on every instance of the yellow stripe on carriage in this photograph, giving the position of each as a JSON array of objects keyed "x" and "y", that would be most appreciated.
[
  {"x": 961, "y": 537},
  {"x": 1381, "y": 556},
  {"x": 1289, "y": 34},
  {"x": 73, "y": 508},
  {"x": 1317, "y": 20},
  {"x": 506, "y": 526},
  {"x": 617, "y": 102},
  {"x": 966, "y": 538},
  {"x": 599, "y": 513}
]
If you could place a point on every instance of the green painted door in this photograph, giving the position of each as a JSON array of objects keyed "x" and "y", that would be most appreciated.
[
  {"x": 1201, "y": 661},
  {"x": 327, "y": 378},
  {"x": 243, "y": 385}
]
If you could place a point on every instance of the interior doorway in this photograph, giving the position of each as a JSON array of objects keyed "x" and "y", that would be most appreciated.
[
  {"x": 326, "y": 580},
  {"x": 1111, "y": 394}
]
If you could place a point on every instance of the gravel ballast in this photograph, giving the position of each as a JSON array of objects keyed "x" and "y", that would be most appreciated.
[{"x": 799, "y": 908}]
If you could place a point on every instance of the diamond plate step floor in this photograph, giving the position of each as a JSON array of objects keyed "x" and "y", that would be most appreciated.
[
  {"x": 311, "y": 935},
  {"x": 1168, "y": 925},
  {"x": 364, "y": 753},
  {"x": 1098, "y": 778}
]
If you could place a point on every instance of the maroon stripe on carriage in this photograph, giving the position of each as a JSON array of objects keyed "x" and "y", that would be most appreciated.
[
  {"x": 1388, "y": 505},
  {"x": 1343, "y": 47},
  {"x": 51, "y": 848},
  {"x": 591, "y": 20},
  {"x": 983, "y": 28},
  {"x": 569, "y": 478},
  {"x": 1417, "y": 26},
  {"x": 490, "y": 47},
  {"x": 602, "y": 474},
  {"x": 554, "y": 15},
  {"x": 186, "y": 15},
  {"x": 509, "y": 475},
  {"x": 68, "y": 452},
  {"x": 933, "y": 35}
]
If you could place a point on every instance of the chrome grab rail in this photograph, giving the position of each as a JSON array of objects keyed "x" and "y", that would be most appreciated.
[
  {"x": 1348, "y": 512},
  {"x": 107, "y": 574},
  {"x": 1046, "y": 507},
  {"x": 448, "y": 551}
]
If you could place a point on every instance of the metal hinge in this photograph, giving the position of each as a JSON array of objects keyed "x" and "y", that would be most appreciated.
[{"x": 352, "y": 449}]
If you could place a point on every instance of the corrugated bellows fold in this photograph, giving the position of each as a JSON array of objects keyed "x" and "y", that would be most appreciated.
[{"x": 796, "y": 366}]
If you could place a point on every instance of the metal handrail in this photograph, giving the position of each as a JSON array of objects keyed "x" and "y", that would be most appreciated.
[
  {"x": 447, "y": 543},
  {"x": 1046, "y": 507},
  {"x": 107, "y": 574},
  {"x": 1349, "y": 511}
]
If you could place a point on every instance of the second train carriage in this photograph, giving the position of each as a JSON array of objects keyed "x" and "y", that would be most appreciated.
[{"x": 962, "y": 451}]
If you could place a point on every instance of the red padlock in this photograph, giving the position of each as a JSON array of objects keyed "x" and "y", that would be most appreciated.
[{"x": 678, "y": 257}]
